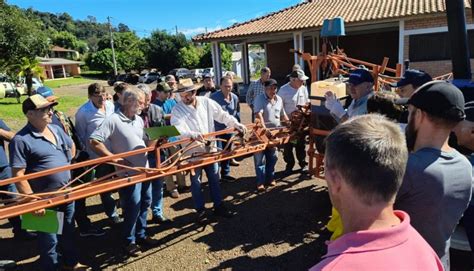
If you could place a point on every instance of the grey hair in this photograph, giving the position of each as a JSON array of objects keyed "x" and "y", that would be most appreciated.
[
  {"x": 370, "y": 154},
  {"x": 145, "y": 89},
  {"x": 131, "y": 95}
]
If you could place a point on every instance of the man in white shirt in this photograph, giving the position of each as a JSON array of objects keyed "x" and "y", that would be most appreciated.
[
  {"x": 294, "y": 93},
  {"x": 194, "y": 116}
]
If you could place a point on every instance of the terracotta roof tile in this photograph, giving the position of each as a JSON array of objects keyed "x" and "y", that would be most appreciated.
[{"x": 311, "y": 14}]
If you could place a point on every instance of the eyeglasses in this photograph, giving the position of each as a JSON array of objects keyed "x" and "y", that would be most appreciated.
[{"x": 45, "y": 110}]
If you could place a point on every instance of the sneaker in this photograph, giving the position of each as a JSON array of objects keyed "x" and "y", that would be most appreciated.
[
  {"x": 288, "y": 171},
  {"x": 201, "y": 216},
  {"x": 147, "y": 242},
  {"x": 304, "y": 167},
  {"x": 174, "y": 193},
  {"x": 234, "y": 163},
  {"x": 228, "y": 179},
  {"x": 272, "y": 183},
  {"x": 24, "y": 235},
  {"x": 115, "y": 220},
  {"x": 222, "y": 211},
  {"x": 161, "y": 219},
  {"x": 92, "y": 231},
  {"x": 184, "y": 189},
  {"x": 260, "y": 188},
  {"x": 7, "y": 265},
  {"x": 132, "y": 250}
]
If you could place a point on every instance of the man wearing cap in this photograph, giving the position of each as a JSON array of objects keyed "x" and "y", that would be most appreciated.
[
  {"x": 124, "y": 131},
  {"x": 410, "y": 81},
  {"x": 464, "y": 132},
  {"x": 293, "y": 94},
  {"x": 36, "y": 147},
  {"x": 360, "y": 85},
  {"x": 208, "y": 86},
  {"x": 270, "y": 112},
  {"x": 436, "y": 188},
  {"x": 88, "y": 117},
  {"x": 194, "y": 116},
  {"x": 256, "y": 88}
]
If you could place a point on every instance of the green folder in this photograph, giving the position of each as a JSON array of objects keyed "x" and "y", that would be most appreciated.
[
  {"x": 163, "y": 131},
  {"x": 51, "y": 222}
]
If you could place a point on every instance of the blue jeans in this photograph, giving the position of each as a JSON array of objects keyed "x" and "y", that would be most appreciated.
[
  {"x": 214, "y": 187},
  {"x": 265, "y": 162},
  {"x": 6, "y": 173},
  {"x": 135, "y": 201},
  {"x": 48, "y": 242},
  {"x": 225, "y": 165},
  {"x": 156, "y": 189}
]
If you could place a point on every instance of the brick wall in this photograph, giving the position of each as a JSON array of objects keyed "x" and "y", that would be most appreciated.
[{"x": 435, "y": 68}]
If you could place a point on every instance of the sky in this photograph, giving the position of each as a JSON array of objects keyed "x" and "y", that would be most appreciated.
[{"x": 144, "y": 16}]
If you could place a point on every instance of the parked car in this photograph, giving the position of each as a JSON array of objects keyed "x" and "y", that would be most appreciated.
[
  {"x": 197, "y": 75},
  {"x": 36, "y": 83},
  {"x": 181, "y": 73},
  {"x": 149, "y": 77},
  {"x": 130, "y": 78},
  {"x": 209, "y": 71},
  {"x": 8, "y": 89}
]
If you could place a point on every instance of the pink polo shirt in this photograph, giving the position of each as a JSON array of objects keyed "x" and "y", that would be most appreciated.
[{"x": 398, "y": 248}]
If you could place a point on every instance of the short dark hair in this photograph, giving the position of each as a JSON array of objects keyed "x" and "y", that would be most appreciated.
[
  {"x": 95, "y": 87},
  {"x": 370, "y": 154},
  {"x": 120, "y": 87},
  {"x": 265, "y": 70},
  {"x": 226, "y": 78}
]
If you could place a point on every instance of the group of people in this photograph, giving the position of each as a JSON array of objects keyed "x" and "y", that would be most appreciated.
[{"x": 396, "y": 198}]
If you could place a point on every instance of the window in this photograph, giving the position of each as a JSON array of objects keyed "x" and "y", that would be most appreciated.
[{"x": 434, "y": 46}]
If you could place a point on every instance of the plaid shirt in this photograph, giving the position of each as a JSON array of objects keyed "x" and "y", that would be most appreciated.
[{"x": 255, "y": 88}]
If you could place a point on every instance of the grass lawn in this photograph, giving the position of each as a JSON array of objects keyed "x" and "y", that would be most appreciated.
[
  {"x": 67, "y": 82},
  {"x": 12, "y": 115}
]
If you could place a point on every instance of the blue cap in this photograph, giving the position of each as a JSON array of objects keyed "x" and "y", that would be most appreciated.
[
  {"x": 45, "y": 92},
  {"x": 414, "y": 77},
  {"x": 360, "y": 76}
]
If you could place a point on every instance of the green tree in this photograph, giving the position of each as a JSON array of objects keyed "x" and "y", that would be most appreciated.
[
  {"x": 66, "y": 40},
  {"x": 101, "y": 61},
  {"x": 20, "y": 37},
  {"x": 190, "y": 56},
  {"x": 161, "y": 50},
  {"x": 29, "y": 68},
  {"x": 226, "y": 56}
]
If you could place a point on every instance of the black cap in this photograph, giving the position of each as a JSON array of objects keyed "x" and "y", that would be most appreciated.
[
  {"x": 469, "y": 111},
  {"x": 270, "y": 82},
  {"x": 206, "y": 75},
  {"x": 440, "y": 99},
  {"x": 360, "y": 76},
  {"x": 414, "y": 77}
]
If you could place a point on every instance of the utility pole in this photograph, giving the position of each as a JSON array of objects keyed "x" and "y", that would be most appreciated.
[
  {"x": 176, "y": 27},
  {"x": 112, "y": 46}
]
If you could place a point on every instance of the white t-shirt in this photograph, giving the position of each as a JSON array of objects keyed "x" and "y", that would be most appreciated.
[{"x": 292, "y": 97}]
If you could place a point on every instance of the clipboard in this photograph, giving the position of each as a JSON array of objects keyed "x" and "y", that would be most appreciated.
[{"x": 162, "y": 131}]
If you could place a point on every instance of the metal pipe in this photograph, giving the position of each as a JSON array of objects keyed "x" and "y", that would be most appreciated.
[{"x": 457, "y": 32}]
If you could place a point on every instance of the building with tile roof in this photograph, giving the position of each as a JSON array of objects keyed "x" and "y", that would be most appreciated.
[{"x": 398, "y": 29}]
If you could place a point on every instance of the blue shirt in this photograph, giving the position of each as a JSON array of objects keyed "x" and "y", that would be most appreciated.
[
  {"x": 232, "y": 107},
  {"x": 3, "y": 155},
  {"x": 167, "y": 105},
  {"x": 33, "y": 152}
]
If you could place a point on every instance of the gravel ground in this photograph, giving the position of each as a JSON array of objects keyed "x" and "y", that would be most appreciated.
[{"x": 276, "y": 230}]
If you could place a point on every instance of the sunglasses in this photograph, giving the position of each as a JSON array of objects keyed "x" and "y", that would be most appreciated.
[{"x": 45, "y": 110}]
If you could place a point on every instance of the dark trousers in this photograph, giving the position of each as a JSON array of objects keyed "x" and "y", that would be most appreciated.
[
  {"x": 6, "y": 173},
  {"x": 299, "y": 147},
  {"x": 48, "y": 242},
  {"x": 83, "y": 222},
  {"x": 468, "y": 223},
  {"x": 224, "y": 165}
]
